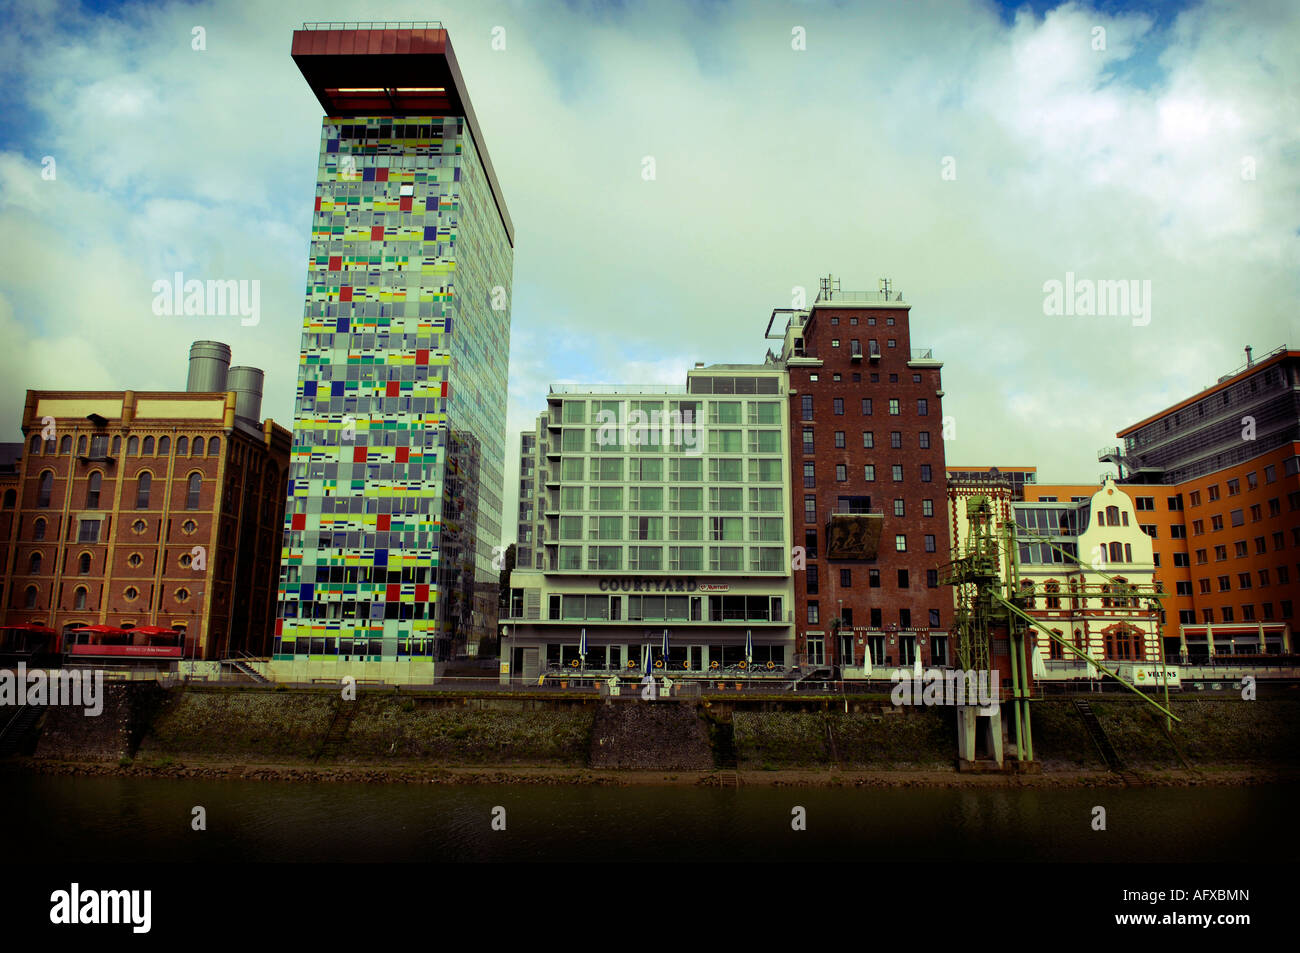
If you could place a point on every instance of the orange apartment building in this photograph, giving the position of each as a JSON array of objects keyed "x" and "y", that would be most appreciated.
[
  {"x": 133, "y": 509},
  {"x": 1215, "y": 481}
]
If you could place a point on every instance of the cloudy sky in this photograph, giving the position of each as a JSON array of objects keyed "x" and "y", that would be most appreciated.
[{"x": 970, "y": 151}]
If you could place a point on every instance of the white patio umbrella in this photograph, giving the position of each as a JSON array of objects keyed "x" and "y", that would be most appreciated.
[
  {"x": 1036, "y": 663},
  {"x": 866, "y": 660}
]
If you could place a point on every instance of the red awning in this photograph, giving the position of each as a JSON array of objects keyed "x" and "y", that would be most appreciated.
[
  {"x": 153, "y": 630},
  {"x": 44, "y": 630},
  {"x": 101, "y": 629}
]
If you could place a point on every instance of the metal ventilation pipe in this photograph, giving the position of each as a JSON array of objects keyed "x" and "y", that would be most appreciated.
[
  {"x": 209, "y": 362},
  {"x": 246, "y": 382},
  {"x": 1248, "y": 360}
]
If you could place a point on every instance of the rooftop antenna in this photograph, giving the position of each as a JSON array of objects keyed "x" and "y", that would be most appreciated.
[
  {"x": 829, "y": 285},
  {"x": 884, "y": 287}
]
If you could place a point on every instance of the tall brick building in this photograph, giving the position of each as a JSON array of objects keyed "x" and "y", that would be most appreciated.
[
  {"x": 868, "y": 494},
  {"x": 116, "y": 489}
]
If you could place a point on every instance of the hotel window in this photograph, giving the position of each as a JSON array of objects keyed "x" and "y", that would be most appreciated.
[
  {"x": 645, "y": 557},
  {"x": 835, "y": 342},
  {"x": 1220, "y": 553},
  {"x": 1240, "y": 548},
  {"x": 1279, "y": 541},
  {"x": 727, "y": 499},
  {"x": 724, "y": 412},
  {"x": 765, "y": 413},
  {"x": 808, "y": 440},
  {"x": 687, "y": 498},
  {"x": 725, "y": 441},
  {"x": 1274, "y": 507},
  {"x": 896, "y": 439},
  {"x": 646, "y": 469},
  {"x": 575, "y": 412},
  {"x": 868, "y": 439},
  {"x": 1252, "y": 480},
  {"x": 1261, "y": 545},
  {"x": 924, "y": 438},
  {"x": 725, "y": 558},
  {"x": 689, "y": 470},
  {"x": 765, "y": 499},
  {"x": 814, "y": 616},
  {"x": 44, "y": 488},
  {"x": 806, "y": 406},
  {"x": 927, "y": 507},
  {"x": 892, "y": 342},
  {"x": 88, "y": 531},
  {"x": 606, "y": 497},
  {"x": 1234, "y": 487},
  {"x": 811, "y": 582},
  {"x": 923, "y": 408},
  {"x": 897, "y": 471},
  {"x": 846, "y": 579},
  {"x": 766, "y": 529},
  {"x": 194, "y": 488},
  {"x": 604, "y": 557},
  {"x": 903, "y": 582},
  {"x": 607, "y": 470},
  {"x": 686, "y": 527},
  {"x": 837, "y": 406},
  {"x": 143, "y": 485},
  {"x": 571, "y": 498},
  {"x": 925, "y": 473},
  {"x": 1216, "y": 523},
  {"x": 810, "y": 543},
  {"x": 873, "y": 578},
  {"x": 652, "y": 497},
  {"x": 571, "y": 527},
  {"x": 894, "y": 407},
  {"x": 810, "y": 509},
  {"x": 1243, "y": 580},
  {"x": 866, "y": 407},
  {"x": 1227, "y": 614},
  {"x": 726, "y": 528},
  {"x": 1198, "y": 527},
  {"x": 1202, "y": 557},
  {"x": 686, "y": 558},
  {"x": 869, "y": 472},
  {"x": 900, "y": 543},
  {"x": 1256, "y": 513},
  {"x": 1225, "y": 583},
  {"x": 1204, "y": 585},
  {"x": 809, "y": 475},
  {"x": 932, "y": 579},
  {"x": 574, "y": 441},
  {"x": 841, "y": 472},
  {"x": 1213, "y": 492},
  {"x": 725, "y": 470},
  {"x": 839, "y": 439},
  {"x": 1238, "y": 517},
  {"x": 1195, "y": 497},
  {"x": 929, "y": 544}
]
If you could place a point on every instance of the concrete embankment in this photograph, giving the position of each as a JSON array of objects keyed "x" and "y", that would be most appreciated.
[{"x": 389, "y": 735}]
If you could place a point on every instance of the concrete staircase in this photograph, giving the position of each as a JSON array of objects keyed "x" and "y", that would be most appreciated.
[{"x": 649, "y": 736}]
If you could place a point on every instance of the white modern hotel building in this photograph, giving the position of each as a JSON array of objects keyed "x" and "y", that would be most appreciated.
[{"x": 654, "y": 509}]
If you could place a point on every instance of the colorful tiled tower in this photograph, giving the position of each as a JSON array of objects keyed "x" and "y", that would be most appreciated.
[{"x": 396, "y": 473}]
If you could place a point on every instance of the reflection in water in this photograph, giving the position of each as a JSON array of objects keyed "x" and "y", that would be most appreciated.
[{"x": 95, "y": 819}]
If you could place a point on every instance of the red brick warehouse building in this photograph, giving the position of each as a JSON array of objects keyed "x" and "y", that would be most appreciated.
[
  {"x": 867, "y": 482},
  {"x": 116, "y": 489}
]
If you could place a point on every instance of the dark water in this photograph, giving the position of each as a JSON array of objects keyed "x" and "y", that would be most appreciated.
[{"x": 115, "y": 819}]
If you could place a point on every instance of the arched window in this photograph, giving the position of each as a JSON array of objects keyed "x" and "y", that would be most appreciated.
[
  {"x": 36, "y": 444},
  {"x": 117, "y": 444},
  {"x": 38, "y": 528},
  {"x": 1052, "y": 588},
  {"x": 214, "y": 446},
  {"x": 1116, "y": 552},
  {"x": 45, "y": 488},
  {"x": 1112, "y": 515},
  {"x": 83, "y": 564},
  {"x": 34, "y": 565},
  {"x": 182, "y": 446},
  {"x": 198, "y": 446},
  {"x": 1054, "y": 650},
  {"x": 192, "y": 497},
  {"x": 164, "y": 446},
  {"x": 147, "y": 449},
  {"x": 81, "y": 445},
  {"x": 132, "y": 446},
  {"x": 79, "y": 602},
  {"x": 29, "y": 598},
  {"x": 65, "y": 445},
  {"x": 11, "y": 497},
  {"x": 143, "y": 484},
  {"x": 92, "y": 490}
]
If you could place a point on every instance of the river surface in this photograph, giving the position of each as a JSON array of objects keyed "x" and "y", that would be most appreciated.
[{"x": 79, "y": 819}]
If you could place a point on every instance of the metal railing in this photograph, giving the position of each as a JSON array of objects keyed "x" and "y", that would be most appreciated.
[
  {"x": 859, "y": 297},
  {"x": 372, "y": 25},
  {"x": 631, "y": 390},
  {"x": 922, "y": 354}
]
